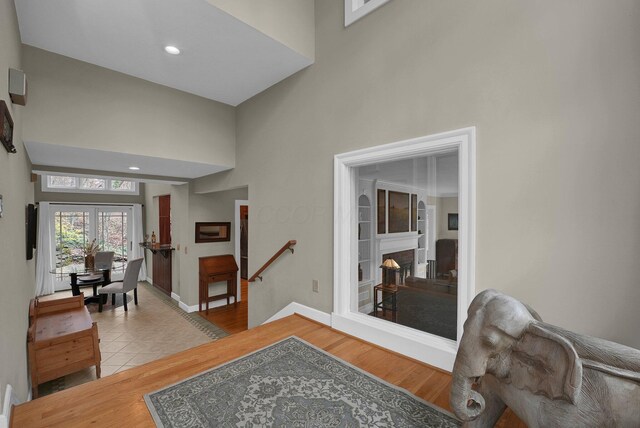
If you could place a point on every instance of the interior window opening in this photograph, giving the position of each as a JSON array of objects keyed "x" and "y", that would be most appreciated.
[{"x": 407, "y": 233}]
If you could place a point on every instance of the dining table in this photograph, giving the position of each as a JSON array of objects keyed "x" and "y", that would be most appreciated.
[{"x": 81, "y": 277}]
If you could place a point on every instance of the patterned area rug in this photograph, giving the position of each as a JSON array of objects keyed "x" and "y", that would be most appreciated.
[{"x": 290, "y": 384}]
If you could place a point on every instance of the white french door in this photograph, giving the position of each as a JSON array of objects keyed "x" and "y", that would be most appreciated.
[{"x": 76, "y": 226}]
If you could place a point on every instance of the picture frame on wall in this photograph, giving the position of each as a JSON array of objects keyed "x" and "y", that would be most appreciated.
[
  {"x": 6, "y": 128},
  {"x": 213, "y": 232},
  {"x": 453, "y": 221},
  {"x": 399, "y": 212}
]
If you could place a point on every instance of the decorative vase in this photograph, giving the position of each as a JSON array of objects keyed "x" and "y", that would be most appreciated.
[{"x": 89, "y": 262}]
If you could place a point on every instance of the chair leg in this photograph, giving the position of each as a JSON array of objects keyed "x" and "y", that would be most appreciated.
[
  {"x": 113, "y": 299},
  {"x": 100, "y": 304},
  {"x": 124, "y": 299},
  {"x": 135, "y": 295}
]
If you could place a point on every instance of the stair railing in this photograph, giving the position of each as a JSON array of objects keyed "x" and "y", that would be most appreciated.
[{"x": 288, "y": 246}]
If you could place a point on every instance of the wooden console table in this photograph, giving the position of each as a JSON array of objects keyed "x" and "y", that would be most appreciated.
[
  {"x": 217, "y": 269},
  {"x": 61, "y": 339},
  {"x": 161, "y": 262}
]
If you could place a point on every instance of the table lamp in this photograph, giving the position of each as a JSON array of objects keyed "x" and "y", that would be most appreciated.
[{"x": 389, "y": 267}]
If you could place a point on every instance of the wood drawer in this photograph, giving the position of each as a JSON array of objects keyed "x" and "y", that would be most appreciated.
[
  {"x": 64, "y": 353},
  {"x": 220, "y": 277}
]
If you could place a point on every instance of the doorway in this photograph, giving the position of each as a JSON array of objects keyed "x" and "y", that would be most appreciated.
[
  {"x": 76, "y": 226},
  {"x": 241, "y": 245},
  {"x": 234, "y": 318}
]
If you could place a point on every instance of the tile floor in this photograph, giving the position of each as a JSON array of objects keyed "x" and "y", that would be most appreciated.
[{"x": 145, "y": 333}]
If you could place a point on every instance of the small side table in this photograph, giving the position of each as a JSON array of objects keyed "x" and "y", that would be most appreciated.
[
  {"x": 75, "y": 286},
  {"x": 388, "y": 300}
]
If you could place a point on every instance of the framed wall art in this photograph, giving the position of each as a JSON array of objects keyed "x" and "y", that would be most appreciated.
[
  {"x": 213, "y": 232},
  {"x": 6, "y": 128},
  {"x": 453, "y": 221}
]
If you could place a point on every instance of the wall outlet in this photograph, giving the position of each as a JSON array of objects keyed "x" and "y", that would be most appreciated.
[
  {"x": 178, "y": 247},
  {"x": 315, "y": 285},
  {"x": 185, "y": 250}
]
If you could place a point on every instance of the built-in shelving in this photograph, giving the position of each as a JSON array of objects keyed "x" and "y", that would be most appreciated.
[
  {"x": 364, "y": 252},
  {"x": 422, "y": 232}
]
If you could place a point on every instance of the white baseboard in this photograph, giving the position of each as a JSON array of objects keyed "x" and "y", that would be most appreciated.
[
  {"x": 175, "y": 297},
  {"x": 297, "y": 308},
  {"x": 424, "y": 347},
  {"x": 10, "y": 400},
  {"x": 195, "y": 308},
  {"x": 150, "y": 281}
]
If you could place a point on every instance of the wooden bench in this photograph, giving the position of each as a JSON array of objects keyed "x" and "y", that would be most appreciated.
[{"x": 61, "y": 339}]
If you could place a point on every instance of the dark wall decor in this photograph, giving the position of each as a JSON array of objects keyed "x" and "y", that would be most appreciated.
[
  {"x": 31, "y": 223},
  {"x": 213, "y": 232},
  {"x": 6, "y": 128},
  {"x": 453, "y": 221},
  {"x": 382, "y": 211},
  {"x": 398, "y": 212}
]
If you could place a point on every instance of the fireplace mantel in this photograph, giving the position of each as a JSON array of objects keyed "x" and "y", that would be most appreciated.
[{"x": 390, "y": 244}]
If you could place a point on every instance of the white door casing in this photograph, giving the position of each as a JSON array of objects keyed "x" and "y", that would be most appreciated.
[{"x": 426, "y": 347}]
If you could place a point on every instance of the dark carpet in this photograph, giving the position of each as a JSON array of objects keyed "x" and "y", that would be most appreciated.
[{"x": 427, "y": 311}]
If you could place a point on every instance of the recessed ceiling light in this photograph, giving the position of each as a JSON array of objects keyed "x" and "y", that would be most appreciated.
[
  {"x": 134, "y": 168},
  {"x": 172, "y": 50}
]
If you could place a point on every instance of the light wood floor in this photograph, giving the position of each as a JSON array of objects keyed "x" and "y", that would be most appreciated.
[
  {"x": 117, "y": 400},
  {"x": 231, "y": 318}
]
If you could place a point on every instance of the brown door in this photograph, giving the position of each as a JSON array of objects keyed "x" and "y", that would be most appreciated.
[
  {"x": 161, "y": 263},
  {"x": 244, "y": 241}
]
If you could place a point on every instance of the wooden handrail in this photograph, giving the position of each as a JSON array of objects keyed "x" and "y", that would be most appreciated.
[{"x": 288, "y": 246}]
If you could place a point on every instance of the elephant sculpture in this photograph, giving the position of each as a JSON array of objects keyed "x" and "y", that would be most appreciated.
[{"x": 548, "y": 376}]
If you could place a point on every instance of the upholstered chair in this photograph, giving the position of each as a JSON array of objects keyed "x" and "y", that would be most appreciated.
[
  {"x": 104, "y": 260},
  {"x": 130, "y": 282}
]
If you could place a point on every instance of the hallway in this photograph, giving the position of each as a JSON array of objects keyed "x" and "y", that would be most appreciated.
[{"x": 231, "y": 318}]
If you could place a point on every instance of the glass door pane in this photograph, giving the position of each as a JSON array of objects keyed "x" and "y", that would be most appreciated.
[
  {"x": 113, "y": 234},
  {"x": 72, "y": 231}
]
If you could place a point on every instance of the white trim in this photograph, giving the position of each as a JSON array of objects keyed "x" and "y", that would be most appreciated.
[
  {"x": 356, "y": 9},
  {"x": 175, "y": 297},
  {"x": 435, "y": 351},
  {"x": 195, "y": 308},
  {"x": 439, "y": 352},
  {"x": 297, "y": 308},
  {"x": 150, "y": 281},
  {"x": 10, "y": 400},
  {"x": 187, "y": 308},
  {"x": 236, "y": 231}
]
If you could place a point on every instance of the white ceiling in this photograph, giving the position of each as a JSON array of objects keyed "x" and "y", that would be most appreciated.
[
  {"x": 54, "y": 155},
  {"x": 222, "y": 58}
]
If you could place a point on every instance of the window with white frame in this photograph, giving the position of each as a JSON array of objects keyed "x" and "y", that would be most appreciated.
[
  {"x": 356, "y": 9},
  {"x": 88, "y": 184}
]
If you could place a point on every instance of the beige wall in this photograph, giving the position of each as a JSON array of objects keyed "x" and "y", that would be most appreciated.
[
  {"x": 106, "y": 110},
  {"x": 218, "y": 206},
  {"x": 188, "y": 208},
  {"x": 290, "y": 22},
  {"x": 179, "y": 211},
  {"x": 553, "y": 90},
  {"x": 18, "y": 278},
  {"x": 444, "y": 206}
]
